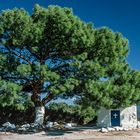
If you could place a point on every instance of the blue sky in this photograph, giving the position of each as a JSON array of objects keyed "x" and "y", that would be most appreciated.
[{"x": 119, "y": 15}]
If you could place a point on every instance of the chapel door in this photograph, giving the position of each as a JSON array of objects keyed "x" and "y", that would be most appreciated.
[{"x": 115, "y": 117}]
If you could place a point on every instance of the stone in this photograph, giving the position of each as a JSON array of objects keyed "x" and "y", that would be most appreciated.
[
  {"x": 121, "y": 129},
  {"x": 25, "y": 125},
  {"x": 36, "y": 126},
  {"x": 8, "y": 126},
  {"x": 49, "y": 124},
  {"x": 125, "y": 129},
  {"x": 68, "y": 125},
  {"x": 74, "y": 124},
  {"x": 33, "y": 125},
  {"x": 110, "y": 129},
  {"x": 55, "y": 123},
  {"x": 13, "y": 126},
  {"x": 22, "y": 129},
  {"x": 104, "y": 130},
  {"x": 117, "y": 128},
  {"x": 1, "y": 129}
]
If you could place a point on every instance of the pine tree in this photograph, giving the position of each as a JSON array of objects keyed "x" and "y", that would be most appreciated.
[
  {"x": 35, "y": 51},
  {"x": 53, "y": 51}
]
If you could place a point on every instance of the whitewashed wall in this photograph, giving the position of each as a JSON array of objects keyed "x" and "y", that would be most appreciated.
[{"x": 128, "y": 117}]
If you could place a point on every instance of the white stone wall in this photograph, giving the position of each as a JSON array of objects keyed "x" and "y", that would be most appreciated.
[{"x": 128, "y": 117}]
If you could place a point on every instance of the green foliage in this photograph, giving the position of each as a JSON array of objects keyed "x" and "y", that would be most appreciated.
[
  {"x": 85, "y": 115},
  {"x": 48, "y": 75},
  {"x": 10, "y": 96},
  {"x": 106, "y": 80},
  {"x": 111, "y": 84},
  {"x": 109, "y": 47},
  {"x": 63, "y": 87},
  {"x": 16, "y": 24},
  {"x": 24, "y": 69}
]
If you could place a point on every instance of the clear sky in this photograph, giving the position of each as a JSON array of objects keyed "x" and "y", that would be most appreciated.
[{"x": 119, "y": 15}]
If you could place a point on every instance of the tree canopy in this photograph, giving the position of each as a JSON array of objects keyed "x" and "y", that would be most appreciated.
[
  {"x": 106, "y": 78},
  {"x": 31, "y": 45}
]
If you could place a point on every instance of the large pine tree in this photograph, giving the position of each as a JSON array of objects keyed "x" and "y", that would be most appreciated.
[
  {"x": 35, "y": 53},
  {"x": 52, "y": 51}
]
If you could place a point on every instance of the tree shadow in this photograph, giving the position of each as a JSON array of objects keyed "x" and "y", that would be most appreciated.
[
  {"x": 60, "y": 132},
  {"x": 55, "y": 131}
]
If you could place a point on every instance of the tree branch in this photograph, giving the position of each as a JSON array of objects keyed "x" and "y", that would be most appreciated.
[
  {"x": 18, "y": 55},
  {"x": 47, "y": 98},
  {"x": 35, "y": 54},
  {"x": 16, "y": 78}
]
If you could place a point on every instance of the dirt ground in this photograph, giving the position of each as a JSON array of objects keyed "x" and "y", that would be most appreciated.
[{"x": 73, "y": 135}]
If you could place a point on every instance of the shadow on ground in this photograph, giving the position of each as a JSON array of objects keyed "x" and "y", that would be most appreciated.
[
  {"x": 56, "y": 132},
  {"x": 53, "y": 131}
]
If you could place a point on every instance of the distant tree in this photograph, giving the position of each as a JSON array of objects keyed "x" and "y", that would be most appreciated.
[{"x": 35, "y": 51}]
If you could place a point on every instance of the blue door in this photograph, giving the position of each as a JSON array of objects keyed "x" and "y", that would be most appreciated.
[{"x": 115, "y": 117}]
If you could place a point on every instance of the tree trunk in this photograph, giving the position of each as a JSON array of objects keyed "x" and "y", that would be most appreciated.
[
  {"x": 39, "y": 104},
  {"x": 39, "y": 115}
]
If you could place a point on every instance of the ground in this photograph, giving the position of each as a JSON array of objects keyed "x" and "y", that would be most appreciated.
[{"x": 88, "y": 134}]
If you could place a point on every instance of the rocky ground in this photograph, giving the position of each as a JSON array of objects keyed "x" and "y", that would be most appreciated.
[
  {"x": 68, "y": 131},
  {"x": 88, "y": 134}
]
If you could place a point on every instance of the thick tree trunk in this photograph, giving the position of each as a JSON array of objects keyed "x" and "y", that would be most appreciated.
[
  {"x": 39, "y": 104},
  {"x": 39, "y": 115}
]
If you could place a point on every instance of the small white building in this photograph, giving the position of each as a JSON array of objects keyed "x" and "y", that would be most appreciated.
[{"x": 125, "y": 117}]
